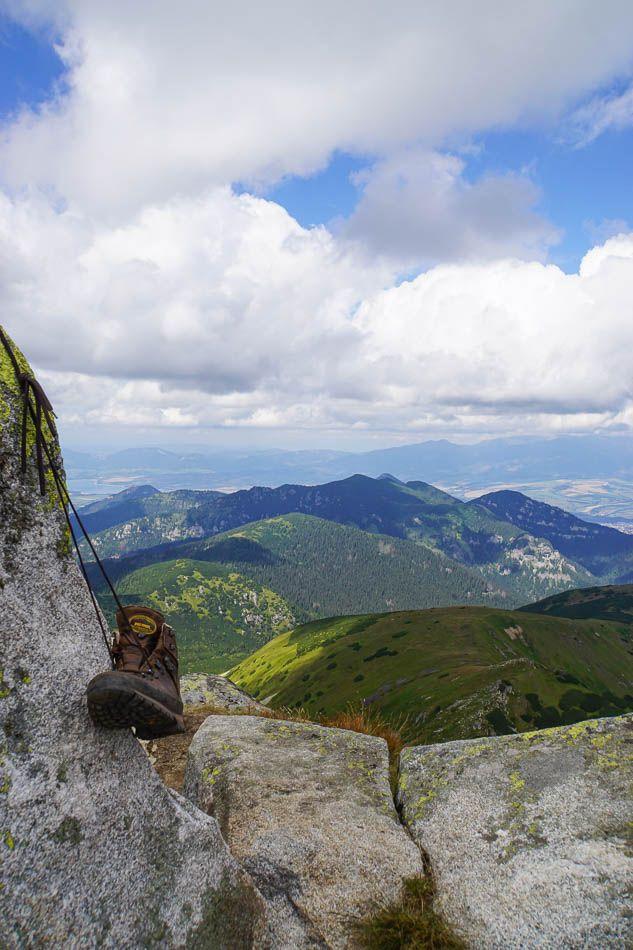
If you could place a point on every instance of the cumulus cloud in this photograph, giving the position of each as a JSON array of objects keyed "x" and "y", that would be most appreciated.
[
  {"x": 149, "y": 293},
  {"x": 511, "y": 337},
  {"x": 164, "y": 98},
  {"x": 417, "y": 208},
  {"x": 222, "y": 292},
  {"x": 223, "y": 311}
]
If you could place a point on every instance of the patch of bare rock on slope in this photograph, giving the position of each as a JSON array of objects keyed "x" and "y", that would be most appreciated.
[{"x": 308, "y": 811}]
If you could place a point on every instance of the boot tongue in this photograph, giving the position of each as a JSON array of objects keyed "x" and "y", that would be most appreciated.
[
  {"x": 144, "y": 622},
  {"x": 139, "y": 633}
]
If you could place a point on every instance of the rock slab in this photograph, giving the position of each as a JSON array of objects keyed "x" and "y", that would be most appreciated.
[
  {"x": 215, "y": 690},
  {"x": 309, "y": 812},
  {"x": 94, "y": 850},
  {"x": 529, "y": 836}
]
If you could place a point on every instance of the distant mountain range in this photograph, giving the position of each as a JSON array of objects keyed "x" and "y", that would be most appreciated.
[
  {"x": 590, "y": 475},
  {"x": 233, "y": 570},
  {"x": 525, "y": 565}
]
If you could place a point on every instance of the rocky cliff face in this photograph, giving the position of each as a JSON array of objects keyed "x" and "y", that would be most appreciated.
[{"x": 95, "y": 851}]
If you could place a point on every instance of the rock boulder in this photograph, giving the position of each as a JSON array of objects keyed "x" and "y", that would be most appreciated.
[
  {"x": 529, "y": 836},
  {"x": 309, "y": 812},
  {"x": 212, "y": 689},
  {"x": 95, "y": 851}
]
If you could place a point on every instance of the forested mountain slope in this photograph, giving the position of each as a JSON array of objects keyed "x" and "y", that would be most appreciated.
[
  {"x": 603, "y": 551},
  {"x": 228, "y": 594},
  {"x": 452, "y": 672},
  {"x": 527, "y": 567}
]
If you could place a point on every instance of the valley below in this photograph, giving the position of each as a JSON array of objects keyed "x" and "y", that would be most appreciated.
[
  {"x": 455, "y": 619},
  {"x": 230, "y": 571}
]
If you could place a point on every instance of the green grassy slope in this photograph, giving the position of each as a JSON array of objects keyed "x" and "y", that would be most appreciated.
[
  {"x": 304, "y": 567},
  {"x": 454, "y": 672},
  {"x": 219, "y": 615},
  {"x": 612, "y": 602}
]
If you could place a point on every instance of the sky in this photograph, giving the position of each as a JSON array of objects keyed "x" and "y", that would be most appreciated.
[{"x": 309, "y": 225}]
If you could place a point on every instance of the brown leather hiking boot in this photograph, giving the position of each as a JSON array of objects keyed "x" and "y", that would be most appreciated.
[{"x": 144, "y": 688}]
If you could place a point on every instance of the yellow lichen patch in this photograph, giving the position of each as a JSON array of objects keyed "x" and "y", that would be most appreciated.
[
  {"x": 516, "y": 782},
  {"x": 209, "y": 775},
  {"x": 11, "y": 413},
  {"x": 422, "y": 802},
  {"x": 577, "y": 731},
  {"x": 601, "y": 741},
  {"x": 529, "y": 736}
]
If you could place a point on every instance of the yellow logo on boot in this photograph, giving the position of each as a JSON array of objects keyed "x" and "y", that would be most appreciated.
[{"x": 142, "y": 624}]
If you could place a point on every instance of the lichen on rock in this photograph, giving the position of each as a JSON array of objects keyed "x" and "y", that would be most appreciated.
[
  {"x": 94, "y": 850},
  {"x": 11, "y": 421},
  {"x": 213, "y": 689},
  {"x": 529, "y": 835}
]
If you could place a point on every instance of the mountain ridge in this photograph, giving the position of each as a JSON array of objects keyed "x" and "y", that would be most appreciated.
[
  {"x": 606, "y": 602},
  {"x": 528, "y": 568},
  {"x": 602, "y": 550}
]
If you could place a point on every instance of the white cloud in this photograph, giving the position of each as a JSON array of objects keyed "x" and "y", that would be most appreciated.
[
  {"x": 167, "y": 98},
  {"x": 222, "y": 310},
  {"x": 612, "y": 112},
  {"x": 222, "y": 292},
  {"x": 149, "y": 294},
  {"x": 510, "y": 338},
  {"x": 417, "y": 209}
]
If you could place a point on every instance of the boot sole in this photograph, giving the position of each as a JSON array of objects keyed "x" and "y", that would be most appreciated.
[{"x": 121, "y": 708}]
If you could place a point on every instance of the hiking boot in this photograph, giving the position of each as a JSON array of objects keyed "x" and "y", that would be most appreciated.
[{"x": 144, "y": 688}]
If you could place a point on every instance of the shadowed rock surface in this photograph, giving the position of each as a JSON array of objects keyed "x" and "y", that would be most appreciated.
[
  {"x": 530, "y": 835},
  {"x": 309, "y": 813},
  {"x": 95, "y": 851},
  {"x": 214, "y": 690}
]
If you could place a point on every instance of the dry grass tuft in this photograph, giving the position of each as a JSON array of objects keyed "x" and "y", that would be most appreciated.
[{"x": 408, "y": 924}]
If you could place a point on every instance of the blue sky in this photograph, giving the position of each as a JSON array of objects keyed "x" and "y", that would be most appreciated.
[
  {"x": 29, "y": 66},
  {"x": 428, "y": 185},
  {"x": 587, "y": 191}
]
